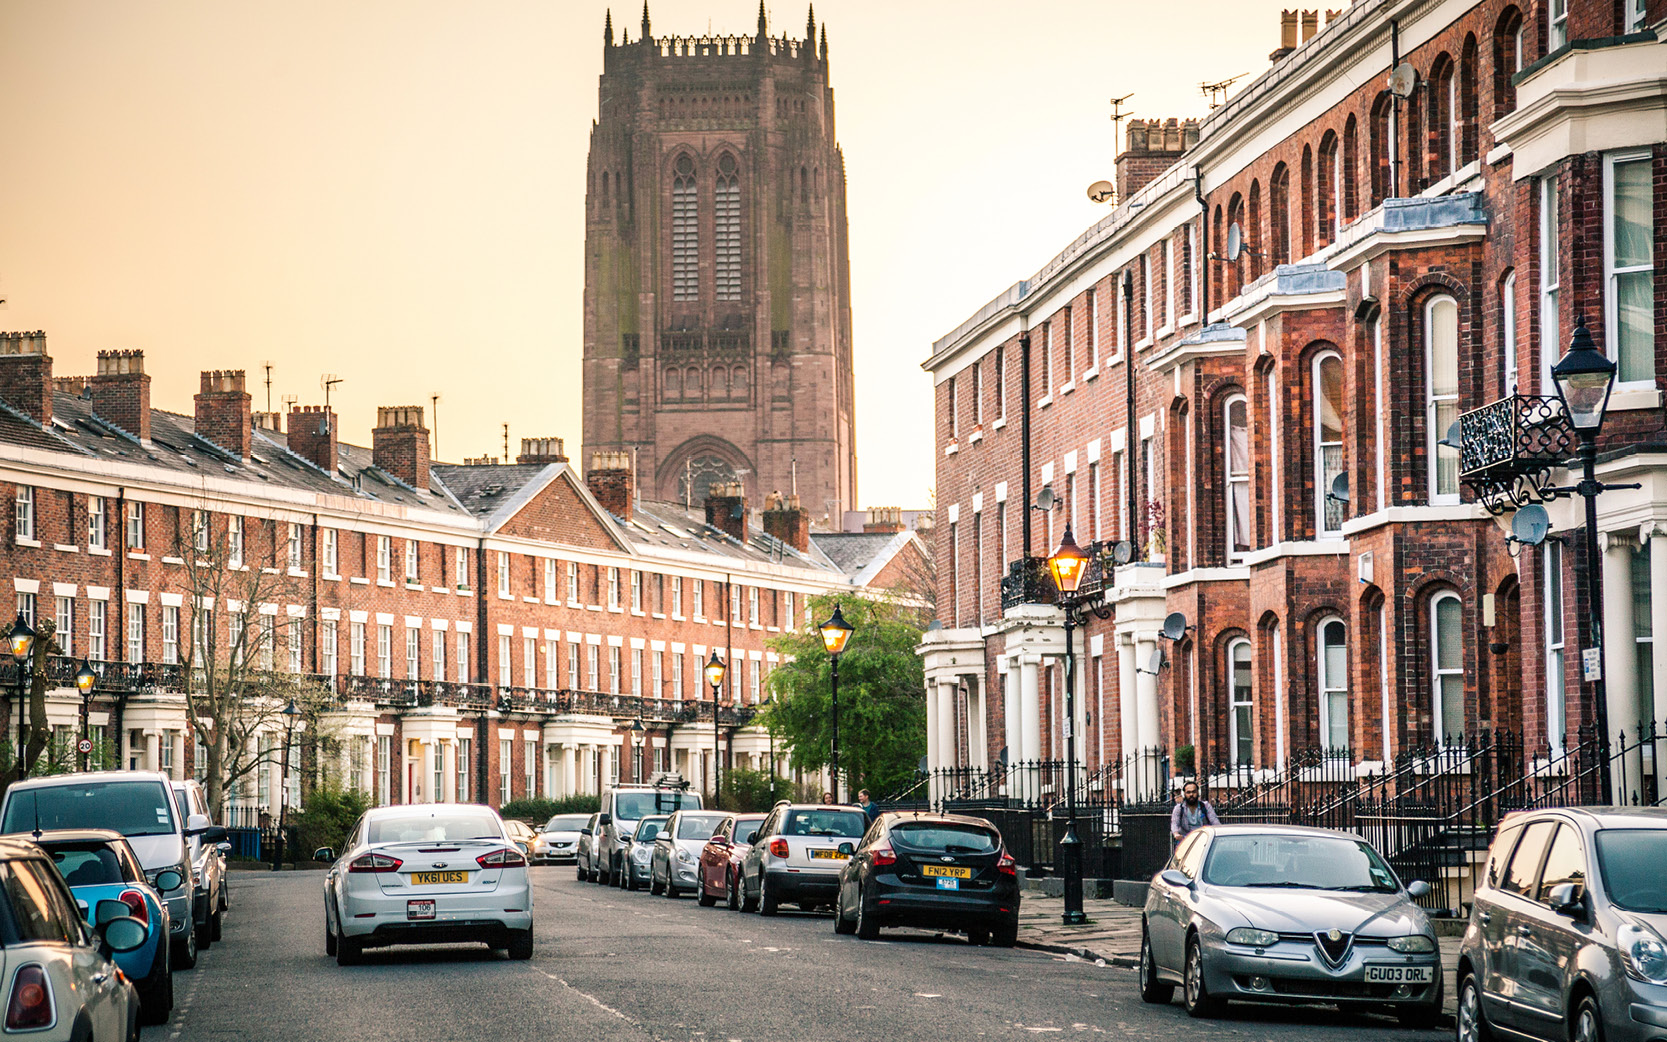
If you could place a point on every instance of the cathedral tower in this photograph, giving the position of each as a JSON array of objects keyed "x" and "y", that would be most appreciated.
[{"x": 717, "y": 272}]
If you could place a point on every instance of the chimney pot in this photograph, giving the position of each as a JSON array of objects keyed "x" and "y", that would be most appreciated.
[
  {"x": 785, "y": 519},
  {"x": 223, "y": 412},
  {"x": 541, "y": 450},
  {"x": 311, "y": 433},
  {"x": 611, "y": 481},
  {"x": 399, "y": 444},
  {"x": 26, "y": 374},
  {"x": 121, "y": 391},
  {"x": 726, "y": 509}
]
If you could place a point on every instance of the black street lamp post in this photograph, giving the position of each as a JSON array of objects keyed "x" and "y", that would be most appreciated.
[
  {"x": 22, "y": 641},
  {"x": 636, "y": 750},
  {"x": 835, "y": 633},
  {"x": 85, "y": 678},
  {"x": 1067, "y": 565},
  {"x": 715, "y": 670},
  {"x": 770, "y": 734},
  {"x": 290, "y": 712}
]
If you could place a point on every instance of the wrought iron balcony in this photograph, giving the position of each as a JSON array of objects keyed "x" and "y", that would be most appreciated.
[
  {"x": 1028, "y": 580},
  {"x": 1509, "y": 448}
]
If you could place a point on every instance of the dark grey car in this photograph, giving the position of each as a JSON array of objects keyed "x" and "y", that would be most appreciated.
[{"x": 1568, "y": 932}]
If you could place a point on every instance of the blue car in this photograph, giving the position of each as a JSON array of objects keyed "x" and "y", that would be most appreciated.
[{"x": 99, "y": 866}]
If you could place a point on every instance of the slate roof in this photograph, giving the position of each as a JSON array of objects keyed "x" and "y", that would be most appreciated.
[{"x": 851, "y": 552}]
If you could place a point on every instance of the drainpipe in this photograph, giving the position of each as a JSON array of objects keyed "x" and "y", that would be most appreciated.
[
  {"x": 1024, "y": 435},
  {"x": 1203, "y": 248},
  {"x": 1128, "y": 405}
]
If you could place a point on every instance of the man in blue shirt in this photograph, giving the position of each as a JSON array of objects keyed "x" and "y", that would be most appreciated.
[{"x": 1191, "y": 813}]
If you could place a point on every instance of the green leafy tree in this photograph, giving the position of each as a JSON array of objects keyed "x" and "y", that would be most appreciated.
[
  {"x": 882, "y": 700},
  {"x": 328, "y": 818}
]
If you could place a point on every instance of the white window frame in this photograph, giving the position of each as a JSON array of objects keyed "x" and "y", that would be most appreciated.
[
  {"x": 294, "y": 546},
  {"x": 506, "y": 663},
  {"x": 384, "y": 650},
  {"x": 549, "y": 580},
  {"x": 439, "y": 654},
  {"x": 529, "y": 661},
  {"x": 573, "y": 582},
  {"x": 503, "y": 576},
  {"x": 1439, "y": 673},
  {"x": 413, "y": 653},
  {"x": 1455, "y": 127},
  {"x": 64, "y": 616},
  {"x": 199, "y": 530},
  {"x": 1329, "y": 686},
  {"x": 170, "y": 634},
  {"x": 1093, "y": 331},
  {"x": 98, "y": 524},
  {"x": 978, "y": 394},
  {"x": 1611, "y": 274},
  {"x": 1557, "y": 20},
  {"x": 613, "y": 587},
  {"x": 1380, "y": 450},
  {"x": 636, "y": 591},
  {"x": 1634, "y": 15},
  {"x": 384, "y": 559},
  {"x": 464, "y": 666},
  {"x": 1508, "y": 333},
  {"x": 613, "y": 669},
  {"x": 1321, "y": 485},
  {"x": 356, "y": 648},
  {"x": 636, "y": 672},
  {"x": 1433, "y": 431},
  {"x": 593, "y": 659},
  {"x": 677, "y": 596},
  {"x": 24, "y": 514},
  {"x": 135, "y": 525},
  {"x": 1234, "y": 704},
  {"x": 572, "y": 666},
  {"x": 331, "y": 560},
  {"x": 97, "y": 630},
  {"x": 1550, "y": 282},
  {"x": 1556, "y": 645},
  {"x": 135, "y": 632},
  {"x": 1230, "y": 481},
  {"x": 412, "y": 558},
  {"x": 234, "y": 540},
  {"x": 326, "y": 645},
  {"x": 699, "y": 594}
]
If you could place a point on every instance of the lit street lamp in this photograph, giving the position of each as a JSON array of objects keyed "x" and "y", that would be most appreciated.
[
  {"x": 835, "y": 633},
  {"x": 636, "y": 749},
  {"x": 715, "y": 670},
  {"x": 291, "y": 713},
  {"x": 85, "y": 678},
  {"x": 22, "y": 641},
  {"x": 1067, "y": 565}
]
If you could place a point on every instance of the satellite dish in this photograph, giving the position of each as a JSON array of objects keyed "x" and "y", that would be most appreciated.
[
  {"x": 1339, "y": 488},
  {"x": 1175, "y": 625},
  {"x": 1157, "y": 660},
  {"x": 1403, "y": 80},
  {"x": 1003, "y": 756},
  {"x": 922, "y": 766},
  {"x": 1453, "y": 439},
  {"x": 1235, "y": 241},
  {"x": 1101, "y": 191},
  {"x": 1530, "y": 525},
  {"x": 1045, "y": 499},
  {"x": 1123, "y": 552}
]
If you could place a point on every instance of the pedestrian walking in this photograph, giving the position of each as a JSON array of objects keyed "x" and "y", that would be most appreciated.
[
  {"x": 1190, "y": 813},
  {"x": 869, "y": 807}
]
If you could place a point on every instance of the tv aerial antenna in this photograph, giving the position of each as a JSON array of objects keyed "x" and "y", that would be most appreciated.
[
  {"x": 1117, "y": 113},
  {"x": 1217, "y": 91},
  {"x": 327, "y": 381}
]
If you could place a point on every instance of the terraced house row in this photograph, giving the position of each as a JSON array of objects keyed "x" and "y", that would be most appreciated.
[
  {"x": 1253, "y": 370},
  {"x": 485, "y": 631}
]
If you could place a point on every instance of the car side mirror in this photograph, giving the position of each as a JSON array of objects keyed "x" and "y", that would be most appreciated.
[
  {"x": 324, "y": 854},
  {"x": 752, "y": 837},
  {"x": 1564, "y": 899},
  {"x": 223, "y": 847},
  {"x": 585, "y": 831},
  {"x": 606, "y": 819},
  {"x": 847, "y": 849},
  {"x": 1176, "y": 878},
  {"x": 110, "y": 909},
  {"x": 166, "y": 880},
  {"x": 196, "y": 823},
  {"x": 719, "y": 840},
  {"x": 1418, "y": 888},
  {"x": 123, "y": 934},
  {"x": 214, "y": 834}
]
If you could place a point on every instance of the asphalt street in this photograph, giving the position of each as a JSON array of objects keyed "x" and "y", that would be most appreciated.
[{"x": 611, "y": 965}]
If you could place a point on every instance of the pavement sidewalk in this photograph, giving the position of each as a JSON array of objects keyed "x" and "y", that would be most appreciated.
[{"x": 1112, "y": 934}]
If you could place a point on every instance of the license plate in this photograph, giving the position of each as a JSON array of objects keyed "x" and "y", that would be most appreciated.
[
  {"x": 946, "y": 871},
  {"x": 1400, "y": 974},
  {"x": 419, "y": 909},
  {"x": 438, "y": 878},
  {"x": 824, "y": 854},
  {"x": 949, "y": 884}
]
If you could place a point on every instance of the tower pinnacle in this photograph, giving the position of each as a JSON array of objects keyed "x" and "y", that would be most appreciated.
[
  {"x": 646, "y": 32},
  {"x": 608, "y": 28},
  {"x": 763, "y": 31},
  {"x": 810, "y": 26}
]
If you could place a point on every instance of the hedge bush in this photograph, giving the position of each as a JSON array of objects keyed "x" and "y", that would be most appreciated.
[
  {"x": 327, "y": 819},
  {"x": 536, "y": 812}
]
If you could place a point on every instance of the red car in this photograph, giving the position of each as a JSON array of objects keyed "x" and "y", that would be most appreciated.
[{"x": 720, "y": 860}]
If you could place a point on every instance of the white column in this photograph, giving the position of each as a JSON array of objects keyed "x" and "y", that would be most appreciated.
[
  {"x": 1030, "y": 709},
  {"x": 1620, "y": 658},
  {"x": 1658, "y": 634},
  {"x": 934, "y": 748},
  {"x": 153, "y": 750},
  {"x": 978, "y": 722},
  {"x": 1010, "y": 708},
  {"x": 1128, "y": 720},
  {"x": 946, "y": 723},
  {"x": 569, "y": 770},
  {"x": 1146, "y": 691}
]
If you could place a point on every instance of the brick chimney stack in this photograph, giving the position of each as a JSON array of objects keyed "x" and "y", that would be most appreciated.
[
  {"x": 223, "y": 412},
  {"x": 884, "y": 519},
  {"x": 785, "y": 519},
  {"x": 26, "y": 374},
  {"x": 726, "y": 509},
  {"x": 312, "y": 435},
  {"x": 541, "y": 451},
  {"x": 611, "y": 481},
  {"x": 1287, "y": 35},
  {"x": 1153, "y": 147},
  {"x": 121, "y": 391},
  {"x": 399, "y": 444}
]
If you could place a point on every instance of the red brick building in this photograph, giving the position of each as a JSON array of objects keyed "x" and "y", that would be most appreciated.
[
  {"x": 1248, "y": 370},
  {"x": 717, "y": 272},
  {"x": 484, "y": 632}
]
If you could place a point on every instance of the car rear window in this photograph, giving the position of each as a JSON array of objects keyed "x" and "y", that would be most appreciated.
[
  {"x": 133, "y": 808},
  {"x": 450, "y": 827},
  {"x": 86, "y": 864},
  {"x": 819, "y": 822},
  {"x": 945, "y": 838},
  {"x": 698, "y": 826},
  {"x": 633, "y": 806},
  {"x": 1630, "y": 862}
]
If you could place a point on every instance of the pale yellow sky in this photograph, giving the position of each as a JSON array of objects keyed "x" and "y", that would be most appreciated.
[{"x": 392, "y": 190}]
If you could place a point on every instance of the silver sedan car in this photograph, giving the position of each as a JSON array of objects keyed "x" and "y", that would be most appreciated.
[
  {"x": 675, "y": 864},
  {"x": 1268, "y": 913}
]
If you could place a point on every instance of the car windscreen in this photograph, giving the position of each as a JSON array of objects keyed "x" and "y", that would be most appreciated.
[
  {"x": 1630, "y": 862},
  {"x": 648, "y": 829},
  {"x": 433, "y": 827},
  {"x": 566, "y": 823},
  {"x": 133, "y": 808},
  {"x": 1297, "y": 862},
  {"x": 632, "y": 806},
  {"x": 86, "y": 864},
  {"x": 939, "y": 837},
  {"x": 819, "y": 822},
  {"x": 698, "y": 826}
]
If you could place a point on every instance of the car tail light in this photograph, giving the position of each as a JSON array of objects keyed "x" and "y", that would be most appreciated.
[
  {"x": 1007, "y": 866},
  {"x": 882, "y": 856},
  {"x": 136, "y": 901},
  {"x": 374, "y": 863},
  {"x": 504, "y": 858},
  {"x": 778, "y": 847},
  {"x": 31, "y": 1003}
]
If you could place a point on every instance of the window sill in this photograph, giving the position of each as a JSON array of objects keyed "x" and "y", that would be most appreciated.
[
  {"x": 96, "y": 551},
  {"x": 1067, "y": 388},
  {"x": 439, "y": 589},
  {"x": 1091, "y": 373},
  {"x": 269, "y": 571},
  {"x": 530, "y": 600},
  {"x": 593, "y": 607},
  {"x": 1044, "y": 401},
  {"x": 1639, "y": 395},
  {"x": 659, "y": 615},
  {"x": 616, "y": 611},
  {"x": 574, "y": 604},
  {"x": 389, "y": 583},
  {"x": 173, "y": 560},
  {"x": 951, "y": 449},
  {"x": 1001, "y": 421},
  {"x": 133, "y": 556},
  {"x": 676, "y": 617},
  {"x": 358, "y": 581},
  {"x": 639, "y": 614},
  {"x": 34, "y": 544},
  {"x": 1143, "y": 343},
  {"x": 414, "y": 586},
  {"x": 66, "y": 548},
  {"x": 1167, "y": 330},
  {"x": 975, "y": 437}
]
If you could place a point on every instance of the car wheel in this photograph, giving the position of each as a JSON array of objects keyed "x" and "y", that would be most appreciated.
[
  {"x": 577, "y": 871},
  {"x": 205, "y": 933},
  {"x": 768, "y": 902},
  {"x": 216, "y": 925},
  {"x": 329, "y": 937},
  {"x": 349, "y": 952},
  {"x": 978, "y": 936},
  {"x": 1005, "y": 936},
  {"x": 1152, "y": 989},
  {"x": 706, "y": 898},
  {"x": 671, "y": 887},
  {"x": 842, "y": 925},
  {"x": 1472, "y": 1021},
  {"x": 734, "y": 893},
  {"x": 521, "y": 944},
  {"x": 184, "y": 952},
  {"x": 749, "y": 903},
  {"x": 1588, "y": 1023},
  {"x": 867, "y": 928},
  {"x": 156, "y": 1002},
  {"x": 1200, "y": 1003},
  {"x": 654, "y": 886}
]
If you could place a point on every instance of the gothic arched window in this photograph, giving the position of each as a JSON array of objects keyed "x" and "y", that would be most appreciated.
[
  {"x": 685, "y": 232},
  {"x": 727, "y": 210}
]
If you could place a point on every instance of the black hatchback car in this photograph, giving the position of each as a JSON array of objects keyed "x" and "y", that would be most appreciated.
[{"x": 934, "y": 871}]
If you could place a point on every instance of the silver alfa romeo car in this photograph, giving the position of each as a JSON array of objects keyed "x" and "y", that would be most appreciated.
[{"x": 1270, "y": 913}]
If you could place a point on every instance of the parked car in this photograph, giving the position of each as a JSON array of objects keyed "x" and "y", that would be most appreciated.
[
  {"x": 60, "y": 978},
  {"x": 625, "y": 805},
  {"x": 433, "y": 873},
  {"x": 139, "y": 805},
  {"x": 1268, "y": 913},
  {"x": 585, "y": 860},
  {"x": 720, "y": 860},
  {"x": 210, "y": 898},
  {"x": 1568, "y": 931},
  {"x": 796, "y": 855},
  {"x": 100, "y": 867},
  {"x": 640, "y": 854},
  {"x": 936, "y": 871},
  {"x": 677, "y": 851},
  {"x": 524, "y": 837},
  {"x": 561, "y": 837}
]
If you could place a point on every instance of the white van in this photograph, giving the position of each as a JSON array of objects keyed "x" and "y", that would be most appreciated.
[{"x": 625, "y": 805}]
